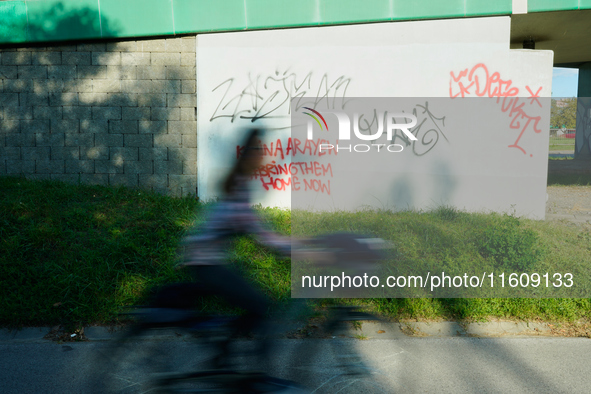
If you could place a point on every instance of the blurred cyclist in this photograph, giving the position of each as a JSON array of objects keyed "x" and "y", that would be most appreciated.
[{"x": 206, "y": 253}]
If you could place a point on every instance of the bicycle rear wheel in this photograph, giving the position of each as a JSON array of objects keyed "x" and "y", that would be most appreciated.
[
  {"x": 155, "y": 356},
  {"x": 132, "y": 363}
]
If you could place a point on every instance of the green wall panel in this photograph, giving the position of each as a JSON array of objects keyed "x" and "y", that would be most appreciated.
[
  {"x": 496, "y": 7},
  {"x": 427, "y": 9},
  {"x": 208, "y": 15},
  {"x": 552, "y": 5},
  {"x": 13, "y": 21},
  {"x": 56, "y": 21},
  {"x": 272, "y": 13},
  {"x": 135, "y": 18},
  {"x": 354, "y": 11}
]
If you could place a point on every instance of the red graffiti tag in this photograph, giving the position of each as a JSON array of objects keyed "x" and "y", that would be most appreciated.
[
  {"x": 294, "y": 168},
  {"x": 271, "y": 174},
  {"x": 484, "y": 84},
  {"x": 280, "y": 184},
  {"x": 515, "y": 110},
  {"x": 480, "y": 82},
  {"x": 293, "y": 147},
  {"x": 534, "y": 96}
]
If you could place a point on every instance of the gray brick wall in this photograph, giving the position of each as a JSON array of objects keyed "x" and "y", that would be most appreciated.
[{"x": 117, "y": 113}]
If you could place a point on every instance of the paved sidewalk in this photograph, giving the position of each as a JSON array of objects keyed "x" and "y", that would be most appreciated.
[{"x": 403, "y": 365}]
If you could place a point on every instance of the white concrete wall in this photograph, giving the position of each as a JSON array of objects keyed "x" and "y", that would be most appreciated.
[{"x": 254, "y": 75}]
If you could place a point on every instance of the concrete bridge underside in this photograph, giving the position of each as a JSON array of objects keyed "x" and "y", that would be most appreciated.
[{"x": 568, "y": 34}]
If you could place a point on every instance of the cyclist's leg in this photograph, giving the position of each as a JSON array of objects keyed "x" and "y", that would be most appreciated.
[{"x": 238, "y": 292}]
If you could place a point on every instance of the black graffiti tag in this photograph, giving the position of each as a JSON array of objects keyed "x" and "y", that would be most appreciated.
[{"x": 270, "y": 96}]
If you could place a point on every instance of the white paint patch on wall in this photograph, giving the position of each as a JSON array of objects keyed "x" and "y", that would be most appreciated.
[{"x": 519, "y": 6}]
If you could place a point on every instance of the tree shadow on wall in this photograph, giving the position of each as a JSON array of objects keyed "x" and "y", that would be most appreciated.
[
  {"x": 98, "y": 112},
  {"x": 61, "y": 21}
]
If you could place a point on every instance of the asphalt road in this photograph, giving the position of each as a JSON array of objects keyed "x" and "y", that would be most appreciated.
[{"x": 404, "y": 365}]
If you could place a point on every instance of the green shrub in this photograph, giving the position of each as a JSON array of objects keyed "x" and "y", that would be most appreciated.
[{"x": 509, "y": 245}]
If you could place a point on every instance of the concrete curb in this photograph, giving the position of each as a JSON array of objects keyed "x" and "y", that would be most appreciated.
[
  {"x": 376, "y": 330},
  {"x": 105, "y": 333},
  {"x": 365, "y": 330}
]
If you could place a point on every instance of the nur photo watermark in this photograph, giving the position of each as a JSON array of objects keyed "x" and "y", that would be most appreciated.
[{"x": 389, "y": 119}]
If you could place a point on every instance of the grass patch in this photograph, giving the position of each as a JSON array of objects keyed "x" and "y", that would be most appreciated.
[
  {"x": 562, "y": 144},
  {"x": 77, "y": 255},
  {"x": 457, "y": 242},
  {"x": 569, "y": 179}
]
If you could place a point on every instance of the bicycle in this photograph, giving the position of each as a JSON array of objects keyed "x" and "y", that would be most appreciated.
[{"x": 136, "y": 365}]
